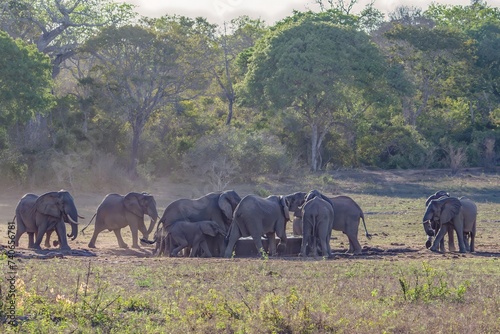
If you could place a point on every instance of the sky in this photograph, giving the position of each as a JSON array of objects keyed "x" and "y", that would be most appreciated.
[{"x": 218, "y": 11}]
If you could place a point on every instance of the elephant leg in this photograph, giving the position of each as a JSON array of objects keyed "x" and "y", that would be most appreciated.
[
  {"x": 441, "y": 246},
  {"x": 439, "y": 237},
  {"x": 451, "y": 239},
  {"x": 98, "y": 228},
  {"x": 233, "y": 237},
  {"x": 182, "y": 244},
  {"x": 472, "y": 237},
  {"x": 271, "y": 239},
  {"x": 204, "y": 247},
  {"x": 42, "y": 228},
  {"x": 257, "y": 240},
  {"x": 466, "y": 241},
  {"x": 281, "y": 233},
  {"x": 47, "y": 239},
  {"x": 460, "y": 236},
  {"x": 135, "y": 235},
  {"x": 305, "y": 241},
  {"x": 31, "y": 239},
  {"x": 354, "y": 243},
  {"x": 61, "y": 232},
  {"x": 325, "y": 252},
  {"x": 119, "y": 238}
]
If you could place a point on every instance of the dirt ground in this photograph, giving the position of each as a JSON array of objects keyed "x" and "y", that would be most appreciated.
[{"x": 364, "y": 186}]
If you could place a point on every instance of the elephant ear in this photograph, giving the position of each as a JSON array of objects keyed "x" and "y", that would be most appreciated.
[
  {"x": 225, "y": 206},
  {"x": 132, "y": 204},
  {"x": 49, "y": 204},
  {"x": 450, "y": 209},
  {"x": 285, "y": 207},
  {"x": 211, "y": 229}
]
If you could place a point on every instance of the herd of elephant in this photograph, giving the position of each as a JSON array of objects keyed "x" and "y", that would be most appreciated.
[{"x": 212, "y": 224}]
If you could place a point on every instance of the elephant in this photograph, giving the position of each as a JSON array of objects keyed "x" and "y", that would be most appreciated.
[
  {"x": 435, "y": 227},
  {"x": 117, "y": 211},
  {"x": 317, "y": 221},
  {"x": 184, "y": 234},
  {"x": 346, "y": 219},
  {"x": 459, "y": 213},
  {"x": 164, "y": 243},
  {"x": 256, "y": 216},
  {"x": 38, "y": 215},
  {"x": 215, "y": 206}
]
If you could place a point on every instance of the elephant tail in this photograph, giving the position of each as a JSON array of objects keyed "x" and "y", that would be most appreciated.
[
  {"x": 89, "y": 223},
  {"x": 368, "y": 235}
]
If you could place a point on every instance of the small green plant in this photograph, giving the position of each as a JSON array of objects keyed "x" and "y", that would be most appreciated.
[
  {"x": 145, "y": 283},
  {"x": 263, "y": 254},
  {"x": 427, "y": 284}
]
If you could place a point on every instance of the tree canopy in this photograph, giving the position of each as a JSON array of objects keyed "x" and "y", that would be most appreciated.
[{"x": 107, "y": 95}]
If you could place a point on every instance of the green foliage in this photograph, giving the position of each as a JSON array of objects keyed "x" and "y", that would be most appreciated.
[
  {"x": 25, "y": 81},
  {"x": 392, "y": 146},
  {"x": 428, "y": 284}
]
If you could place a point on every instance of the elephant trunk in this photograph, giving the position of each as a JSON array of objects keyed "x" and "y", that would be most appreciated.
[
  {"x": 152, "y": 225},
  {"x": 428, "y": 228},
  {"x": 72, "y": 218},
  {"x": 74, "y": 231}
]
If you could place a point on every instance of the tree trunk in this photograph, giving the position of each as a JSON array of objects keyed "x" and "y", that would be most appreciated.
[
  {"x": 314, "y": 147},
  {"x": 134, "y": 153},
  {"x": 230, "y": 112}
]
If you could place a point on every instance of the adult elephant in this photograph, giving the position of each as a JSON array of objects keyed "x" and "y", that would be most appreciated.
[
  {"x": 460, "y": 213},
  {"x": 435, "y": 226},
  {"x": 216, "y": 206},
  {"x": 256, "y": 216},
  {"x": 117, "y": 211},
  {"x": 346, "y": 219},
  {"x": 184, "y": 234},
  {"x": 317, "y": 221},
  {"x": 37, "y": 215}
]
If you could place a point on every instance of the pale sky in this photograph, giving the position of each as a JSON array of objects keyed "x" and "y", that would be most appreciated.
[{"x": 218, "y": 11}]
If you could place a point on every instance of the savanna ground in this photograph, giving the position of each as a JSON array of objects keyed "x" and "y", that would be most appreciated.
[{"x": 396, "y": 286}]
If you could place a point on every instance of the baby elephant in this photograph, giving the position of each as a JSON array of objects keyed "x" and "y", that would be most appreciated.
[{"x": 184, "y": 234}]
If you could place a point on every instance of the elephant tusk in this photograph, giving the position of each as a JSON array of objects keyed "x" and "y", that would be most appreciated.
[
  {"x": 72, "y": 221},
  {"x": 80, "y": 217}
]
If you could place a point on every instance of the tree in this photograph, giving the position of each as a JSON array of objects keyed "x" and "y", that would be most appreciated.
[
  {"x": 312, "y": 66},
  {"x": 242, "y": 34},
  {"x": 140, "y": 72},
  {"x": 431, "y": 58},
  {"x": 25, "y": 82},
  {"x": 58, "y": 27}
]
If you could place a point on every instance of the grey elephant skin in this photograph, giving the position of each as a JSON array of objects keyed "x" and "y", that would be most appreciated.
[
  {"x": 256, "y": 216},
  {"x": 459, "y": 213},
  {"x": 46, "y": 213},
  {"x": 184, "y": 234},
  {"x": 435, "y": 226},
  {"x": 317, "y": 223},
  {"x": 118, "y": 211},
  {"x": 346, "y": 219},
  {"x": 216, "y": 206}
]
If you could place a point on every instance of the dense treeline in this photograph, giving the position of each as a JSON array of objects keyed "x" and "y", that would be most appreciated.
[{"x": 91, "y": 91}]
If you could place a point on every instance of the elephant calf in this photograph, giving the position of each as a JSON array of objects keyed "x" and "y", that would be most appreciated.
[{"x": 182, "y": 234}]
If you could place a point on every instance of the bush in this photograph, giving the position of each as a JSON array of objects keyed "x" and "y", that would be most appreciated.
[{"x": 237, "y": 156}]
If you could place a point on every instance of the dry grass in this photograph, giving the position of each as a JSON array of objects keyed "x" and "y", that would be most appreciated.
[{"x": 397, "y": 286}]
